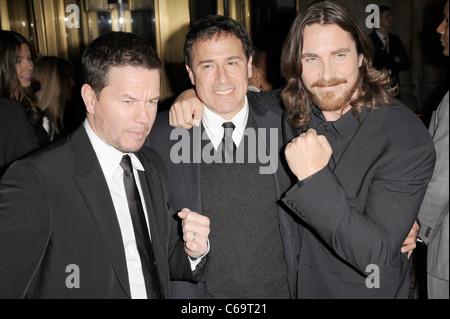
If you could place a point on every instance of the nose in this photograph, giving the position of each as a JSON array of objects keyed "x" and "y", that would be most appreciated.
[
  {"x": 222, "y": 76},
  {"x": 141, "y": 113},
  {"x": 326, "y": 70},
  {"x": 441, "y": 28},
  {"x": 29, "y": 65}
]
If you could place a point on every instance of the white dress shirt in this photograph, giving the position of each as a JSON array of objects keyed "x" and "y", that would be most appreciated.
[
  {"x": 213, "y": 125},
  {"x": 109, "y": 158}
]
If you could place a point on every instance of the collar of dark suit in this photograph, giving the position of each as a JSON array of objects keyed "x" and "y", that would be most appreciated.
[
  {"x": 344, "y": 126},
  {"x": 86, "y": 157}
]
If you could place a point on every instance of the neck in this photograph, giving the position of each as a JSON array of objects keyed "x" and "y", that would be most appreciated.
[
  {"x": 383, "y": 31},
  {"x": 332, "y": 116}
]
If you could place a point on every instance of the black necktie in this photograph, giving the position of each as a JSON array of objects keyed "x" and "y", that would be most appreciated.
[
  {"x": 143, "y": 242},
  {"x": 228, "y": 146},
  {"x": 386, "y": 43}
]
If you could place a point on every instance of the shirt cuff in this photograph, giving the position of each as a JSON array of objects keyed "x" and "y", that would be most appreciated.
[{"x": 195, "y": 261}]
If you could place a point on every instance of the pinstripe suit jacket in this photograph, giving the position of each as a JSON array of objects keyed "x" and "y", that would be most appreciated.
[{"x": 433, "y": 214}]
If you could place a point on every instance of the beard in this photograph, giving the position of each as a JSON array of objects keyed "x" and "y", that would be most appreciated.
[{"x": 335, "y": 100}]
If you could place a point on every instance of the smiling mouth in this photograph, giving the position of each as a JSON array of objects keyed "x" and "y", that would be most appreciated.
[
  {"x": 327, "y": 88},
  {"x": 226, "y": 92}
]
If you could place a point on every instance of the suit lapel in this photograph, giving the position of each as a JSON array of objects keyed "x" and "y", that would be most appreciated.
[
  {"x": 357, "y": 150},
  {"x": 191, "y": 170},
  {"x": 92, "y": 185},
  {"x": 268, "y": 119},
  {"x": 156, "y": 208}
]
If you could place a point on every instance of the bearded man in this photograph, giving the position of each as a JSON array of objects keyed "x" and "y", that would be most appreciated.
[{"x": 362, "y": 159}]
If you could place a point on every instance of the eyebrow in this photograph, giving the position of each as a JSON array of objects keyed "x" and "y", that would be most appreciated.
[
  {"x": 231, "y": 58},
  {"x": 127, "y": 96},
  {"x": 309, "y": 55}
]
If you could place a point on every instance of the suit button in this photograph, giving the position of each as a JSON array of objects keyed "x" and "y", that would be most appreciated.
[{"x": 298, "y": 257}]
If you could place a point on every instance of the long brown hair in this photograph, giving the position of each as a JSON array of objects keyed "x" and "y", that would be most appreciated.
[
  {"x": 53, "y": 73},
  {"x": 10, "y": 46},
  {"x": 372, "y": 85}
]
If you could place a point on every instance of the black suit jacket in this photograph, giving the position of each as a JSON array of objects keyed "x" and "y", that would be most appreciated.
[
  {"x": 384, "y": 60},
  {"x": 17, "y": 137},
  {"x": 185, "y": 187},
  {"x": 56, "y": 211},
  {"x": 357, "y": 215}
]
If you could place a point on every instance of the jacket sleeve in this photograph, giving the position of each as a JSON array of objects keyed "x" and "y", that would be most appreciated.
[
  {"x": 435, "y": 203},
  {"x": 179, "y": 263},
  {"x": 375, "y": 233},
  {"x": 24, "y": 228}
]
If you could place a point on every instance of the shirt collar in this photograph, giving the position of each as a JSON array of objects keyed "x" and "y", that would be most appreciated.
[
  {"x": 346, "y": 124},
  {"x": 381, "y": 35},
  {"x": 108, "y": 156},
  {"x": 213, "y": 122}
]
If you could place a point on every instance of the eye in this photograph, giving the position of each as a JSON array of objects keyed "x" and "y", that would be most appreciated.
[{"x": 311, "y": 60}]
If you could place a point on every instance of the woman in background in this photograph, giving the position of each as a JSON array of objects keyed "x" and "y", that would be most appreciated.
[
  {"x": 17, "y": 82},
  {"x": 17, "y": 135},
  {"x": 56, "y": 78}
]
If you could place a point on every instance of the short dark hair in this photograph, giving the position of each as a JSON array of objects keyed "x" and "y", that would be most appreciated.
[
  {"x": 216, "y": 25},
  {"x": 383, "y": 8},
  {"x": 116, "y": 49}
]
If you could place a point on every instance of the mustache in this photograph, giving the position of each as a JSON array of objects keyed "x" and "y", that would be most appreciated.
[{"x": 332, "y": 82}]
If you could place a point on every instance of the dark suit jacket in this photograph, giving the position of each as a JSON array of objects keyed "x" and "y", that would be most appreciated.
[
  {"x": 16, "y": 133},
  {"x": 56, "y": 211},
  {"x": 185, "y": 188},
  {"x": 357, "y": 215},
  {"x": 384, "y": 60}
]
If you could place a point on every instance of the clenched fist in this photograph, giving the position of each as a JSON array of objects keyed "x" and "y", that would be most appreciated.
[
  {"x": 308, "y": 153},
  {"x": 195, "y": 232}
]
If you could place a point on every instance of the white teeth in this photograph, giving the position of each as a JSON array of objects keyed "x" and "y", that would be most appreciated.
[{"x": 224, "y": 92}]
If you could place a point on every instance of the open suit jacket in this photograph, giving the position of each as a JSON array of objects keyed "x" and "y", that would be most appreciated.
[
  {"x": 383, "y": 59},
  {"x": 57, "y": 217},
  {"x": 433, "y": 214},
  {"x": 356, "y": 216},
  {"x": 185, "y": 188}
]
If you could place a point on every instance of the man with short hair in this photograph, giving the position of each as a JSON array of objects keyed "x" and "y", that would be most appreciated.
[
  {"x": 390, "y": 53},
  {"x": 362, "y": 160},
  {"x": 433, "y": 214},
  {"x": 254, "y": 243},
  {"x": 89, "y": 217}
]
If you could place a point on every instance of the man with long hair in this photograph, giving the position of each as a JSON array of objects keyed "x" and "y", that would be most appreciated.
[
  {"x": 359, "y": 198},
  {"x": 362, "y": 159}
]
